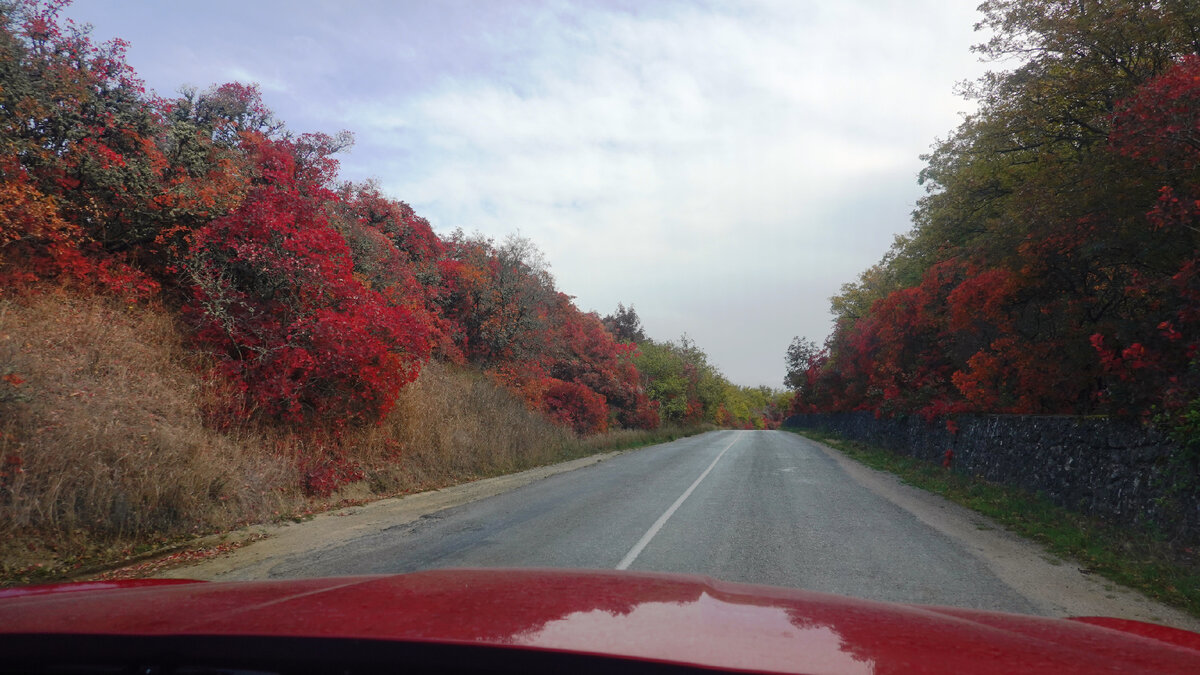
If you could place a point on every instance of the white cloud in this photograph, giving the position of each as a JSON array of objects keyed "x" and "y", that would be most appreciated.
[{"x": 712, "y": 153}]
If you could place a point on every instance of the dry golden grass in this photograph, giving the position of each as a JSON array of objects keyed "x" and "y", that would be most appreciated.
[
  {"x": 451, "y": 425},
  {"x": 108, "y": 431},
  {"x": 454, "y": 424},
  {"x": 102, "y": 411}
]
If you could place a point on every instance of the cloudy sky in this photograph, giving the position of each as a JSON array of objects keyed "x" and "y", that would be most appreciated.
[{"x": 722, "y": 166}]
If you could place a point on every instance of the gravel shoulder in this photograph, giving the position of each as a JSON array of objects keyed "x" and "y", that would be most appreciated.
[
  {"x": 1059, "y": 587},
  {"x": 271, "y": 543}
]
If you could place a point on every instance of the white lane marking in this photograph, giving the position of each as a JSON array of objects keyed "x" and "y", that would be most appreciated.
[{"x": 662, "y": 520}]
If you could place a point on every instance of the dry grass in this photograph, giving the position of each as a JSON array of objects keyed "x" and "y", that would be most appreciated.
[
  {"x": 453, "y": 425},
  {"x": 108, "y": 431},
  {"x": 103, "y": 415}
]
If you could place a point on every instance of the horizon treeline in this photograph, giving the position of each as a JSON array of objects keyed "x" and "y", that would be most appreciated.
[
  {"x": 316, "y": 300},
  {"x": 1054, "y": 265}
]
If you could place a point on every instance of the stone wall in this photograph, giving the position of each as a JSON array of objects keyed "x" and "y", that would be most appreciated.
[{"x": 1119, "y": 471}]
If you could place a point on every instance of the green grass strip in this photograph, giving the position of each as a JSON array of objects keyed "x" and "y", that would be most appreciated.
[{"x": 1141, "y": 560}]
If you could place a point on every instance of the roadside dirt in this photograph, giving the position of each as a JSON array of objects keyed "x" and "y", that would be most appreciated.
[
  {"x": 1059, "y": 587},
  {"x": 258, "y": 548}
]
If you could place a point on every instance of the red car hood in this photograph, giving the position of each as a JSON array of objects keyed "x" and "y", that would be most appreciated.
[{"x": 655, "y": 617}]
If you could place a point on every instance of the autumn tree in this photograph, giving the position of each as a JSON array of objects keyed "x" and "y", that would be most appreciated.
[
  {"x": 78, "y": 150},
  {"x": 128, "y": 175},
  {"x": 678, "y": 377},
  {"x": 273, "y": 295},
  {"x": 799, "y": 357},
  {"x": 625, "y": 325},
  {"x": 1027, "y": 283},
  {"x": 317, "y": 299},
  {"x": 496, "y": 298}
]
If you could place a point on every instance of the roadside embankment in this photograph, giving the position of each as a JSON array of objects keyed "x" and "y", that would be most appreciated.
[
  {"x": 337, "y": 526},
  {"x": 108, "y": 453}
]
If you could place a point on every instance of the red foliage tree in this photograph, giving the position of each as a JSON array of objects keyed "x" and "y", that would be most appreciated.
[
  {"x": 274, "y": 295},
  {"x": 495, "y": 300},
  {"x": 583, "y": 351},
  {"x": 1095, "y": 309},
  {"x": 396, "y": 253},
  {"x": 574, "y": 405},
  {"x": 119, "y": 178},
  {"x": 76, "y": 139},
  {"x": 1151, "y": 364}
]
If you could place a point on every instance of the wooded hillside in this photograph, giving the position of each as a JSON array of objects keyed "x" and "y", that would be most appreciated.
[{"x": 1054, "y": 265}]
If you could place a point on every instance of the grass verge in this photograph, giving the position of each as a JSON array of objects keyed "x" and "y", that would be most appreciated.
[
  {"x": 82, "y": 555},
  {"x": 1161, "y": 570}
]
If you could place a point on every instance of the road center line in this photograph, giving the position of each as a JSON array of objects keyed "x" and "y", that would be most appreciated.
[{"x": 662, "y": 520}]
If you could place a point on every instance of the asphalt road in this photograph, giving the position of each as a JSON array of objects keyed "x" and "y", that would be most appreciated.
[{"x": 751, "y": 506}]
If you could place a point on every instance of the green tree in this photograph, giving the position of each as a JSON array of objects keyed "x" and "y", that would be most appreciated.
[{"x": 679, "y": 377}]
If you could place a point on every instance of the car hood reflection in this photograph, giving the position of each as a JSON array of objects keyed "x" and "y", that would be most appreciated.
[{"x": 754, "y": 637}]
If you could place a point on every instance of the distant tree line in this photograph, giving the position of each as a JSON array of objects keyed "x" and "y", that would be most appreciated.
[{"x": 687, "y": 389}]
